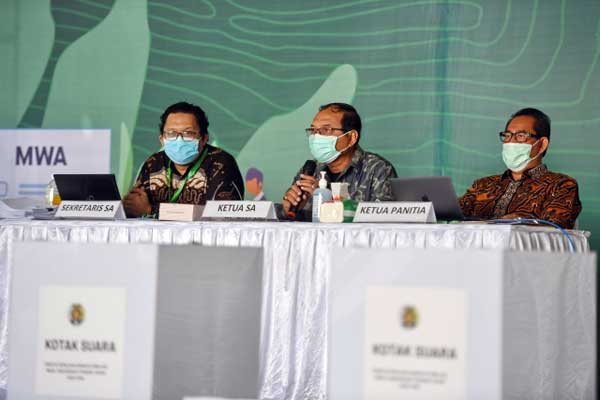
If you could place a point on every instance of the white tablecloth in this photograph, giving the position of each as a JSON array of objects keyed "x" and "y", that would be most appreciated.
[{"x": 297, "y": 257}]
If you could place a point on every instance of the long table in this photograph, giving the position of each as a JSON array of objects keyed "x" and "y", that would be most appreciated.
[{"x": 297, "y": 258}]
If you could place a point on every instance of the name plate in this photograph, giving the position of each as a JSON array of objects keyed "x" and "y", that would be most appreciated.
[
  {"x": 71, "y": 209},
  {"x": 395, "y": 211},
  {"x": 179, "y": 212},
  {"x": 240, "y": 210}
]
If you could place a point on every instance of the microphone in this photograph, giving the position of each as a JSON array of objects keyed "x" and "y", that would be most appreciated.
[{"x": 308, "y": 169}]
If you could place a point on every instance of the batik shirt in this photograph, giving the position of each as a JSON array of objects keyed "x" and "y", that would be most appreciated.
[
  {"x": 217, "y": 178},
  {"x": 368, "y": 177},
  {"x": 539, "y": 194}
]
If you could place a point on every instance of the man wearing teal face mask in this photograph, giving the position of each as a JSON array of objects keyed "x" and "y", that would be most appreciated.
[
  {"x": 333, "y": 140},
  {"x": 526, "y": 189},
  {"x": 188, "y": 170}
]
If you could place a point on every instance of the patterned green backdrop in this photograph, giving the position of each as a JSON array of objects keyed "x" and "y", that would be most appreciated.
[{"x": 433, "y": 80}]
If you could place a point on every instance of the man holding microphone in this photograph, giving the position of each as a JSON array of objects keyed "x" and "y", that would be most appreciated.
[{"x": 333, "y": 139}]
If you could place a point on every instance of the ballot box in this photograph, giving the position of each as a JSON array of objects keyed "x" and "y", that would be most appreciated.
[{"x": 135, "y": 321}]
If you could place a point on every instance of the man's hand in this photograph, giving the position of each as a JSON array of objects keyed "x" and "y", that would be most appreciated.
[
  {"x": 295, "y": 195},
  {"x": 136, "y": 203}
]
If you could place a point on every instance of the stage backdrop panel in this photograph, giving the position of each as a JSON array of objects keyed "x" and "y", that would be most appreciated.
[
  {"x": 31, "y": 156},
  {"x": 434, "y": 81}
]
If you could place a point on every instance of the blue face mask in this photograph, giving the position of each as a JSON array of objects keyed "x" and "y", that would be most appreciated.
[
  {"x": 182, "y": 151},
  {"x": 323, "y": 147}
]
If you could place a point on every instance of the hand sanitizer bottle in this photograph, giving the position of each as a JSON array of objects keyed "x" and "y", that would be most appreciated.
[{"x": 320, "y": 196}]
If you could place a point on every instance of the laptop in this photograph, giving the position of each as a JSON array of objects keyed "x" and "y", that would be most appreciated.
[
  {"x": 437, "y": 189},
  {"x": 99, "y": 187}
]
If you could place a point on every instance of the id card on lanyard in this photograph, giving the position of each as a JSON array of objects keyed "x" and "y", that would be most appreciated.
[{"x": 190, "y": 172}]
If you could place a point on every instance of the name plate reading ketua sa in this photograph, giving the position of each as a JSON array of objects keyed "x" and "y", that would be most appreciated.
[
  {"x": 395, "y": 211},
  {"x": 71, "y": 209},
  {"x": 261, "y": 210}
]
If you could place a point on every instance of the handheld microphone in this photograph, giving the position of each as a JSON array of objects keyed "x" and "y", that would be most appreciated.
[{"x": 308, "y": 169}]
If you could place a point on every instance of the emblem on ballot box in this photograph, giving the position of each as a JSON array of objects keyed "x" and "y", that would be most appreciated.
[
  {"x": 76, "y": 314},
  {"x": 409, "y": 317}
]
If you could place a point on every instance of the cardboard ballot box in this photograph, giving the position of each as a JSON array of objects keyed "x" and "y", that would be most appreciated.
[
  {"x": 133, "y": 321},
  {"x": 455, "y": 324}
]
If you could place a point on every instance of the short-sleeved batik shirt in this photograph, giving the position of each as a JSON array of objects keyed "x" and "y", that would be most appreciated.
[
  {"x": 218, "y": 178},
  {"x": 368, "y": 177}
]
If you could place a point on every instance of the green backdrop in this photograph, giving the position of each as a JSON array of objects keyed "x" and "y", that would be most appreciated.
[{"x": 434, "y": 81}]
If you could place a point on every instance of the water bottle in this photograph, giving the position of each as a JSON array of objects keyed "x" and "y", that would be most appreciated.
[{"x": 52, "y": 196}]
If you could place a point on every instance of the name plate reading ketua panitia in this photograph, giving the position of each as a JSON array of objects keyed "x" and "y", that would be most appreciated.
[
  {"x": 260, "y": 210},
  {"x": 71, "y": 209},
  {"x": 395, "y": 211}
]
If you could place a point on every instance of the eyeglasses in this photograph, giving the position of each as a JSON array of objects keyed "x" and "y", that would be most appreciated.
[
  {"x": 520, "y": 137},
  {"x": 324, "y": 130},
  {"x": 187, "y": 136}
]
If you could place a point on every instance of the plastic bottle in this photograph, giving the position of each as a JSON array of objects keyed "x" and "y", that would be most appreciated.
[
  {"x": 320, "y": 196},
  {"x": 52, "y": 197}
]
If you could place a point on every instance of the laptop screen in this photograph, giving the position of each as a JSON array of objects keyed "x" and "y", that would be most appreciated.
[
  {"x": 437, "y": 189},
  {"x": 99, "y": 187}
]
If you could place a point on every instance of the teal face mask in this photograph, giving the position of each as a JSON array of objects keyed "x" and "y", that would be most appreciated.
[
  {"x": 181, "y": 151},
  {"x": 516, "y": 155},
  {"x": 323, "y": 147}
]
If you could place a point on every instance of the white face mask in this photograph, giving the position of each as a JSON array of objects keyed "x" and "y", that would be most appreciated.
[{"x": 516, "y": 155}]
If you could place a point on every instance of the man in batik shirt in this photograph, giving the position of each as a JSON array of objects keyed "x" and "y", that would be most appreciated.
[
  {"x": 188, "y": 170},
  {"x": 333, "y": 139},
  {"x": 526, "y": 189}
]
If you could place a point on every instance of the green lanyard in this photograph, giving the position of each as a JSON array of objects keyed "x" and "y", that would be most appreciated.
[{"x": 190, "y": 172}]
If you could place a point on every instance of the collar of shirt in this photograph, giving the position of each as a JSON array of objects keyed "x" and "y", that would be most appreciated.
[
  {"x": 357, "y": 159},
  {"x": 533, "y": 173}
]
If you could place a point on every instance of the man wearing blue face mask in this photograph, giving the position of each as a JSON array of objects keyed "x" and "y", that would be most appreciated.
[
  {"x": 526, "y": 189},
  {"x": 333, "y": 140},
  {"x": 188, "y": 170}
]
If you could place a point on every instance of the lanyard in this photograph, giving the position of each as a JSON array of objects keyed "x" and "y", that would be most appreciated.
[{"x": 190, "y": 172}]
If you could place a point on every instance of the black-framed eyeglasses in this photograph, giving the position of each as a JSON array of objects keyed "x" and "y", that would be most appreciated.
[
  {"x": 324, "y": 130},
  {"x": 520, "y": 137},
  {"x": 185, "y": 135}
]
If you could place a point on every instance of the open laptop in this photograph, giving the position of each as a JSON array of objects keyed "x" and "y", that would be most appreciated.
[
  {"x": 99, "y": 187},
  {"x": 437, "y": 189}
]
